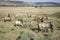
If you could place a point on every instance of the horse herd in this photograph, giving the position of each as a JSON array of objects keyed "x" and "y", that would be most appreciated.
[{"x": 41, "y": 24}]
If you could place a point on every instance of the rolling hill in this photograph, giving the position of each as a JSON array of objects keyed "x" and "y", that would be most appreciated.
[
  {"x": 27, "y": 4},
  {"x": 48, "y": 4},
  {"x": 15, "y": 3}
]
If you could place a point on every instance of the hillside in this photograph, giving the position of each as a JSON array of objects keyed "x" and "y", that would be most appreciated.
[
  {"x": 15, "y": 3},
  {"x": 48, "y": 4},
  {"x": 28, "y": 4}
]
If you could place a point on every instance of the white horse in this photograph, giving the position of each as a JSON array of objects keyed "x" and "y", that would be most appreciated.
[
  {"x": 18, "y": 23},
  {"x": 45, "y": 25}
]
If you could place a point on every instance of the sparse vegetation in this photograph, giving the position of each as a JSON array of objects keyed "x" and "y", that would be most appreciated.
[
  {"x": 10, "y": 32},
  {"x": 57, "y": 14}
]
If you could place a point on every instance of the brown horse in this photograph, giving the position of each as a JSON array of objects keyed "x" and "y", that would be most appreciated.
[{"x": 7, "y": 19}]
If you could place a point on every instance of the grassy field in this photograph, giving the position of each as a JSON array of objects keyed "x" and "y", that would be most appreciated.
[
  {"x": 10, "y": 32},
  {"x": 32, "y": 10}
]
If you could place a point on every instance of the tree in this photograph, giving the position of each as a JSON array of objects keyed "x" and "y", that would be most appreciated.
[{"x": 36, "y": 6}]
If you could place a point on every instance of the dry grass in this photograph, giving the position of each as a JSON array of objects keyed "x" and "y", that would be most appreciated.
[
  {"x": 32, "y": 10},
  {"x": 10, "y": 32}
]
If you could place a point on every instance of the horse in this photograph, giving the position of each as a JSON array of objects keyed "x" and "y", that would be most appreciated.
[
  {"x": 43, "y": 18},
  {"x": 7, "y": 19},
  {"x": 45, "y": 25},
  {"x": 19, "y": 23}
]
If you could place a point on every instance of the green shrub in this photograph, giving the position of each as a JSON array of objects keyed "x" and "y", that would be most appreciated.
[{"x": 28, "y": 35}]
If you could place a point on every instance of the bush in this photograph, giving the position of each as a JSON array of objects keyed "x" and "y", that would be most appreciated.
[{"x": 28, "y": 35}]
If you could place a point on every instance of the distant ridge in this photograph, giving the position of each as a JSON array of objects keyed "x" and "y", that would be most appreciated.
[
  {"x": 48, "y": 4},
  {"x": 27, "y": 4},
  {"x": 14, "y": 4}
]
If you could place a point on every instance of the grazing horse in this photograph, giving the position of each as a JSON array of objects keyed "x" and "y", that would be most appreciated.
[
  {"x": 40, "y": 19},
  {"x": 7, "y": 19},
  {"x": 43, "y": 18},
  {"x": 19, "y": 23},
  {"x": 45, "y": 25}
]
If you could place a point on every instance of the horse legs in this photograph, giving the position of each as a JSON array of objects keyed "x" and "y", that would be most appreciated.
[
  {"x": 46, "y": 30},
  {"x": 51, "y": 29},
  {"x": 4, "y": 20},
  {"x": 15, "y": 25},
  {"x": 7, "y": 20},
  {"x": 39, "y": 28}
]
